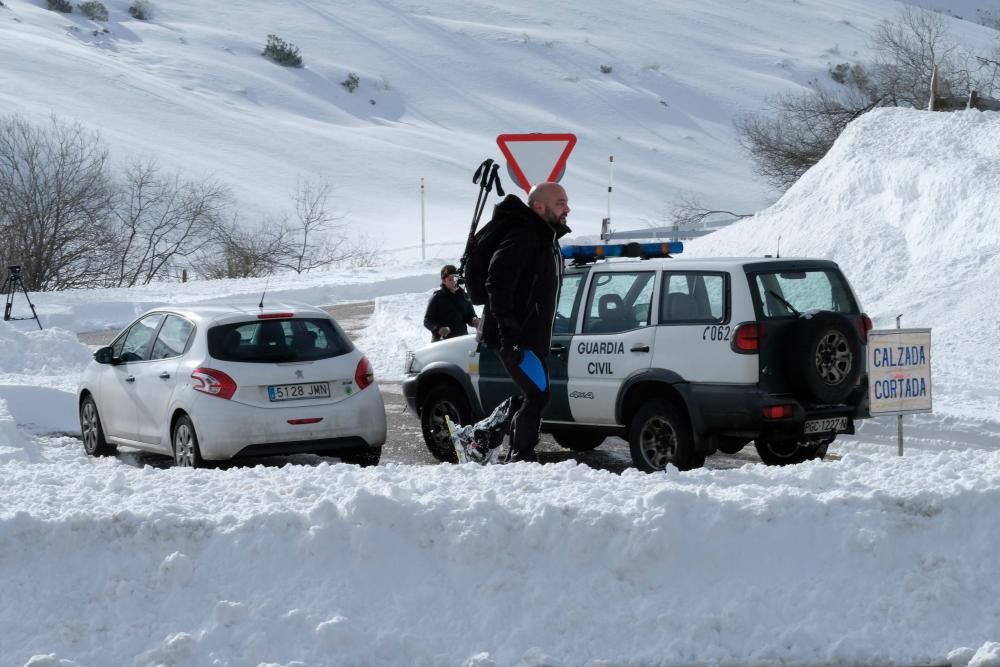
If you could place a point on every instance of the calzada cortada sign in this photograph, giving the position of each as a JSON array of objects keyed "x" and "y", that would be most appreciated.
[{"x": 899, "y": 371}]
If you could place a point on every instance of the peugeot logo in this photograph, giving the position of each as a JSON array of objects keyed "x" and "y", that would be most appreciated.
[{"x": 299, "y": 375}]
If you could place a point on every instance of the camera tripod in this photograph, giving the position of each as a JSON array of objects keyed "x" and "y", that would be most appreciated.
[{"x": 10, "y": 286}]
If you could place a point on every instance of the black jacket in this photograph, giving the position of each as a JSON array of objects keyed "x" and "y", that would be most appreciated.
[
  {"x": 522, "y": 284},
  {"x": 448, "y": 309}
]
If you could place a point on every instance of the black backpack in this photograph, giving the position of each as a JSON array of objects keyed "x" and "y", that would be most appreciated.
[{"x": 478, "y": 253}]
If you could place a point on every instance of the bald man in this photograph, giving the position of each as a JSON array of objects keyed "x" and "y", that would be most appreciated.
[{"x": 522, "y": 288}]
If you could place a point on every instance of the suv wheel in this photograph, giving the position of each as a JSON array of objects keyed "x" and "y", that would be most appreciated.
[
  {"x": 825, "y": 357},
  {"x": 660, "y": 434},
  {"x": 789, "y": 452},
  {"x": 440, "y": 401},
  {"x": 578, "y": 441}
]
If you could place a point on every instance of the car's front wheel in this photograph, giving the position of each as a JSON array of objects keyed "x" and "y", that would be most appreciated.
[
  {"x": 660, "y": 434},
  {"x": 578, "y": 441},
  {"x": 441, "y": 401},
  {"x": 187, "y": 454},
  {"x": 785, "y": 453},
  {"x": 94, "y": 442}
]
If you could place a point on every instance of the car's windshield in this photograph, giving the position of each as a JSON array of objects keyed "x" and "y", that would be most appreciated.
[
  {"x": 263, "y": 341},
  {"x": 789, "y": 293}
]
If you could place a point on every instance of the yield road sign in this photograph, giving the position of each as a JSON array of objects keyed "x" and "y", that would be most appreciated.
[{"x": 536, "y": 158}]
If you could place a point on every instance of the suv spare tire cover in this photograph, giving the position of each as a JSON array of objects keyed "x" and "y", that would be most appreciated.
[{"x": 824, "y": 357}]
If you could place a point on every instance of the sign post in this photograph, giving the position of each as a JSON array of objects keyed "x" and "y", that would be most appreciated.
[
  {"x": 899, "y": 373},
  {"x": 536, "y": 158}
]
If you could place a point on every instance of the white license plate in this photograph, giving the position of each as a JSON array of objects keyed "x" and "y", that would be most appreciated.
[
  {"x": 832, "y": 425},
  {"x": 295, "y": 392}
]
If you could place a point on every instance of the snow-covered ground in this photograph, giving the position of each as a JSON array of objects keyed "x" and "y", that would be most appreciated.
[{"x": 865, "y": 559}]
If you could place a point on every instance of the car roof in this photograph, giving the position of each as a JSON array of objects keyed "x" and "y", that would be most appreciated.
[{"x": 218, "y": 313}]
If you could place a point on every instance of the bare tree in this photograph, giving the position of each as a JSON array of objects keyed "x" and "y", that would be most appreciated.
[
  {"x": 312, "y": 243},
  {"x": 688, "y": 212},
  {"x": 907, "y": 51},
  {"x": 796, "y": 131},
  {"x": 236, "y": 252},
  {"x": 162, "y": 220},
  {"x": 55, "y": 200}
]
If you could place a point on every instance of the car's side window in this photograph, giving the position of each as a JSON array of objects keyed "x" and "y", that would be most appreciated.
[
  {"x": 618, "y": 302},
  {"x": 173, "y": 338},
  {"x": 569, "y": 303},
  {"x": 135, "y": 343},
  {"x": 693, "y": 297}
]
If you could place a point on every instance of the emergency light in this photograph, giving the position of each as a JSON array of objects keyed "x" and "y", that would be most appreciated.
[{"x": 582, "y": 254}]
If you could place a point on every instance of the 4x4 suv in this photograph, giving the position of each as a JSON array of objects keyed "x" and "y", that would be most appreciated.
[{"x": 682, "y": 357}]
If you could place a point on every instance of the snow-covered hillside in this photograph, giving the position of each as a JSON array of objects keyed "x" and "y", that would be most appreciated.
[{"x": 438, "y": 83}]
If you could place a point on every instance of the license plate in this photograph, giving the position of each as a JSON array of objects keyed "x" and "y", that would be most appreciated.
[
  {"x": 295, "y": 392},
  {"x": 832, "y": 425}
]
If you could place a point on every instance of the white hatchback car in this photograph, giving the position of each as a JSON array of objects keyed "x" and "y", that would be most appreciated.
[{"x": 216, "y": 382}]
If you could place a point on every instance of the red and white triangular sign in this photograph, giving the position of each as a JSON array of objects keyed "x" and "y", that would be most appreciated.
[{"x": 536, "y": 158}]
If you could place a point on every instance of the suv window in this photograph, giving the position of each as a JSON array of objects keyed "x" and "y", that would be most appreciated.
[
  {"x": 693, "y": 297},
  {"x": 173, "y": 338},
  {"x": 785, "y": 293},
  {"x": 270, "y": 341},
  {"x": 618, "y": 302},
  {"x": 569, "y": 303},
  {"x": 133, "y": 345}
]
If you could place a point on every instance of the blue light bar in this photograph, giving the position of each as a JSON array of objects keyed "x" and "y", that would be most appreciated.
[{"x": 582, "y": 254}]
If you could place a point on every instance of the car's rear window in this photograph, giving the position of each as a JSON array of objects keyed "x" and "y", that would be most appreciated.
[
  {"x": 785, "y": 293},
  {"x": 271, "y": 341}
]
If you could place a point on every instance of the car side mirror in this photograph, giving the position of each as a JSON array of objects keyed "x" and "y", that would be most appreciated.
[{"x": 103, "y": 355}]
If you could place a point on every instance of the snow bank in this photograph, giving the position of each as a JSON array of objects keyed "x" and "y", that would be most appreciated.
[{"x": 853, "y": 562}]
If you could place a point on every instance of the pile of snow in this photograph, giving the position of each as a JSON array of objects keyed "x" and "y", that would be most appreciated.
[
  {"x": 40, "y": 352},
  {"x": 872, "y": 559}
]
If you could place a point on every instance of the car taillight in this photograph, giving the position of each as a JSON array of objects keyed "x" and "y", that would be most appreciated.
[
  {"x": 864, "y": 326},
  {"x": 213, "y": 382},
  {"x": 275, "y": 316},
  {"x": 363, "y": 375},
  {"x": 747, "y": 337},
  {"x": 778, "y": 411}
]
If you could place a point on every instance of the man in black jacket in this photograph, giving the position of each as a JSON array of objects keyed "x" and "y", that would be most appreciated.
[
  {"x": 449, "y": 310},
  {"x": 522, "y": 288}
]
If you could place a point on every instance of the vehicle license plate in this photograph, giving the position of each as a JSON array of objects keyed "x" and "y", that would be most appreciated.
[
  {"x": 294, "y": 392},
  {"x": 833, "y": 425}
]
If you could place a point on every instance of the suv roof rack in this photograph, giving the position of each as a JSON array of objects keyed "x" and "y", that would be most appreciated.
[{"x": 585, "y": 254}]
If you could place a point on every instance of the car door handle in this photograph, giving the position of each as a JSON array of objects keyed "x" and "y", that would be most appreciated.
[
  {"x": 130, "y": 378},
  {"x": 557, "y": 349},
  {"x": 164, "y": 375},
  {"x": 640, "y": 347}
]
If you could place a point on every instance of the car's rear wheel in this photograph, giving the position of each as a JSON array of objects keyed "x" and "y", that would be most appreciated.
[
  {"x": 789, "y": 452},
  {"x": 578, "y": 441},
  {"x": 363, "y": 456},
  {"x": 825, "y": 357},
  {"x": 187, "y": 454},
  {"x": 443, "y": 400},
  {"x": 91, "y": 430},
  {"x": 660, "y": 434}
]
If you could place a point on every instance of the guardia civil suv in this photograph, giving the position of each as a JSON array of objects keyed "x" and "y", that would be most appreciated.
[{"x": 681, "y": 357}]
